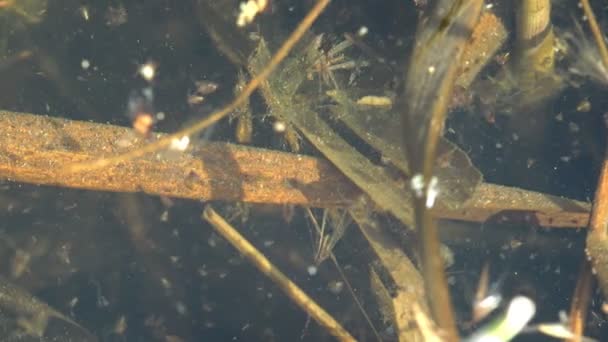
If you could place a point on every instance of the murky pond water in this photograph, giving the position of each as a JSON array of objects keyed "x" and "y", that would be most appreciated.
[{"x": 121, "y": 253}]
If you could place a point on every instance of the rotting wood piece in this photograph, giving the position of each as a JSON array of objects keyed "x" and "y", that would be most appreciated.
[{"x": 34, "y": 148}]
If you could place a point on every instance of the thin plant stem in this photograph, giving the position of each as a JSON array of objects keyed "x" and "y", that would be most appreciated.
[
  {"x": 444, "y": 34},
  {"x": 265, "y": 266},
  {"x": 580, "y": 301}
]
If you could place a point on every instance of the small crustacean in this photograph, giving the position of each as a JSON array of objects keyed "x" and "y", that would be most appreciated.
[{"x": 326, "y": 62}]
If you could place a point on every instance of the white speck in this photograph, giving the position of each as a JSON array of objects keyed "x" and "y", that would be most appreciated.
[
  {"x": 147, "y": 71},
  {"x": 84, "y": 12},
  {"x": 432, "y": 192},
  {"x": 160, "y": 116},
  {"x": 207, "y": 307},
  {"x": 447, "y": 255},
  {"x": 248, "y": 11},
  {"x": 85, "y": 64},
  {"x": 212, "y": 241},
  {"x": 181, "y": 308},
  {"x": 573, "y": 127},
  {"x": 530, "y": 162},
  {"x": 417, "y": 184},
  {"x": 431, "y": 69},
  {"x": 279, "y": 127},
  {"x": 73, "y": 302},
  {"x": 312, "y": 270},
  {"x": 165, "y": 283},
  {"x": 362, "y": 31},
  {"x": 336, "y": 287},
  {"x": 102, "y": 302},
  {"x": 180, "y": 144},
  {"x": 164, "y": 217}
]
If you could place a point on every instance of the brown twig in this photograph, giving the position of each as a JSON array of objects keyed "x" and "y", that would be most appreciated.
[
  {"x": 428, "y": 89},
  {"x": 597, "y": 237},
  {"x": 34, "y": 148},
  {"x": 597, "y": 249},
  {"x": 265, "y": 266},
  {"x": 580, "y": 301}
]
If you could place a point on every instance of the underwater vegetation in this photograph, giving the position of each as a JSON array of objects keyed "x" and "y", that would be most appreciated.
[{"x": 398, "y": 170}]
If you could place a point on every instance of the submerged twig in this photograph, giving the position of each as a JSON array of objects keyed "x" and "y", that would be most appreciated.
[
  {"x": 580, "y": 301},
  {"x": 33, "y": 148},
  {"x": 266, "y": 267},
  {"x": 597, "y": 236}
]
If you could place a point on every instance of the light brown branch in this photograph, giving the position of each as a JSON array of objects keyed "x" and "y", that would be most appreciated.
[
  {"x": 597, "y": 237},
  {"x": 34, "y": 149},
  {"x": 580, "y": 302}
]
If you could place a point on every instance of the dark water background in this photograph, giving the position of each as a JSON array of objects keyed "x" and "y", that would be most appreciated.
[{"x": 213, "y": 294}]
